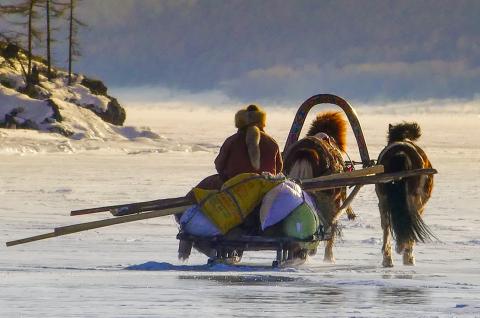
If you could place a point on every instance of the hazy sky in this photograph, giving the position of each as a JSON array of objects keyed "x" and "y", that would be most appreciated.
[{"x": 286, "y": 50}]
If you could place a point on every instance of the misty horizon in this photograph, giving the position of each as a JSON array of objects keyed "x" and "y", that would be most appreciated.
[{"x": 283, "y": 52}]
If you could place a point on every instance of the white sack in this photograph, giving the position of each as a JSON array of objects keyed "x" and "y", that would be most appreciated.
[
  {"x": 194, "y": 222},
  {"x": 279, "y": 202}
]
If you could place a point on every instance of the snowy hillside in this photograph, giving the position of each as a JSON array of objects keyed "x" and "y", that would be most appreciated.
[{"x": 82, "y": 111}]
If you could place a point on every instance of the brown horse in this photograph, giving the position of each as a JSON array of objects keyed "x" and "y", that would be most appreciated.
[
  {"x": 319, "y": 154},
  {"x": 402, "y": 203}
]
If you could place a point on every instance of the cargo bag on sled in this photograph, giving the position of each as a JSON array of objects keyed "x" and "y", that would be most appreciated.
[
  {"x": 194, "y": 222},
  {"x": 238, "y": 197},
  {"x": 289, "y": 204},
  {"x": 302, "y": 223}
]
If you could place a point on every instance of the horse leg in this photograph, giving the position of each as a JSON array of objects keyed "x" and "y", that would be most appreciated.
[
  {"x": 408, "y": 256},
  {"x": 387, "y": 245},
  {"x": 329, "y": 258}
]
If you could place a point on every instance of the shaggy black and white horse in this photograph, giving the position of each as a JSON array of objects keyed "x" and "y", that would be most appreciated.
[{"x": 402, "y": 203}]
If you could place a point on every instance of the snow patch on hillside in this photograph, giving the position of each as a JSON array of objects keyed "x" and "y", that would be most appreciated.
[
  {"x": 65, "y": 118},
  {"x": 33, "y": 109}
]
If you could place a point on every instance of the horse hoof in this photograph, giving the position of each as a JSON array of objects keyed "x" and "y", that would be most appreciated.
[
  {"x": 387, "y": 263},
  {"x": 330, "y": 260},
  {"x": 408, "y": 260}
]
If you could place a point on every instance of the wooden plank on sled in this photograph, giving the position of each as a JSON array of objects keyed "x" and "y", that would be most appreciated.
[
  {"x": 130, "y": 208},
  {"x": 75, "y": 228},
  {"x": 362, "y": 180},
  {"x": 343, "y": 175},
  {"x": 31, "y": 239}
]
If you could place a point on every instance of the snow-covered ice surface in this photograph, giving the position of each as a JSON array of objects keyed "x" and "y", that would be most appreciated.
[{"x": 131, "y": 270}]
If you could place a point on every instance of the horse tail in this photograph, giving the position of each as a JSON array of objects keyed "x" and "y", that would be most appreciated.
[
  {"x": 404, "y": 198},
  {"x": 302, "y": 167},
  {"x": 334, "y": 125}
]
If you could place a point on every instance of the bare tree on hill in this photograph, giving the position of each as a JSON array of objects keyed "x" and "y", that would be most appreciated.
[
  {"x": 26, "y": 9},
  {"x": 56, "y": 10},
  {"x": 73, "y": 43},
  {"x": 25, "y": 14}
]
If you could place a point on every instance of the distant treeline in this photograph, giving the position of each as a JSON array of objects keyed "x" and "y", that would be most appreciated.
[{"x": 34, "y": 24}]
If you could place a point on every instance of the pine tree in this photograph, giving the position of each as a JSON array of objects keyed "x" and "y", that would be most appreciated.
[
  {"x": 73, "y": 43},
  {"x": 33, "y": 33},
  {"x": 49, "y": 53},
  {"x": 55, "y": 9},
  {"x": 26, "y": 9}
]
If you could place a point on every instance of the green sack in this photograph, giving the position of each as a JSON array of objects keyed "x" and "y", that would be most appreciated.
[{"x": 301, "y": 223}]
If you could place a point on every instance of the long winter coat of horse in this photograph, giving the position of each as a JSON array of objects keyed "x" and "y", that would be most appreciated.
[
  {"x": 319, "y": 154},
  {"x": 402, "y": 203}
]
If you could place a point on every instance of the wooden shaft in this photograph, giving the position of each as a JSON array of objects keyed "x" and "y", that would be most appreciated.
[
  {"x": 343, "y": 175},
  {"x": 138, "y": 206},
  {"x": 162, "y": 204},
  {"x": 130, "y": 208},
  {"x": 64, "y": 230},
  {"x": 362, "y": 180},
  {"x": 350, "y": 197},
  {"x": 31, "y": 239},
  {"x": 347, "y": 202}
]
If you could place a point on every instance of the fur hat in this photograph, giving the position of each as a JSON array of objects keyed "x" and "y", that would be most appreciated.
[
  {"x": 252, "y": 115},
  {"x": 252, "y": 119}
]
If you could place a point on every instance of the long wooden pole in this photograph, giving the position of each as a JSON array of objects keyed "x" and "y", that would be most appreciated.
[
  {"x": 64, "y": 230},
  {"x": 70, "y": 229},
  {"x": 362, "y": 180},
  {"x": 31, "y": 239},
  {"x": 344, "y": 175},
  {"x": 129, "y": 208},
  {"x": 347, "y": 202},
  {"x": 315, "y": 184}
]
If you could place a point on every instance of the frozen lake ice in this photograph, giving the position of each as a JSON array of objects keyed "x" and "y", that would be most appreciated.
[{"x": 131, "y": 270}]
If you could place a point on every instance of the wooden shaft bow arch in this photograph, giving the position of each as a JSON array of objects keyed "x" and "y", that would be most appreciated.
[{"x": 302, "y": 113}]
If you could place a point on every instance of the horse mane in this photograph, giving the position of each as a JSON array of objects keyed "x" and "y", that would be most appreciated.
[
  {"x": 402, "y": 131},
  {"x": 333, "y": 124}
]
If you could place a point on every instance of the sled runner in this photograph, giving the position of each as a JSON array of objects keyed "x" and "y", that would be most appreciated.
[{"x": 230, "y": 251}]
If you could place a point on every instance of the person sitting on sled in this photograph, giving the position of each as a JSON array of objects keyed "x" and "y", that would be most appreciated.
[{"x": 250, "y": 149}]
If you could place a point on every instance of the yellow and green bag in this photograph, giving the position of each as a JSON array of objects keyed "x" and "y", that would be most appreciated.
[
  {"x": 238, "y": 197},
  {"x": 302, "y": 223}
]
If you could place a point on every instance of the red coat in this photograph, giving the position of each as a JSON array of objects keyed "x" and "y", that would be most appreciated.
[{"x": 233, "y": 158}]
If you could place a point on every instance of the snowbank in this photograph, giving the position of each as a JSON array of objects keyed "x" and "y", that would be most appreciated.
[
  {"x": 36, "y": 110},
  {"x": 81, "y": 116}
]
